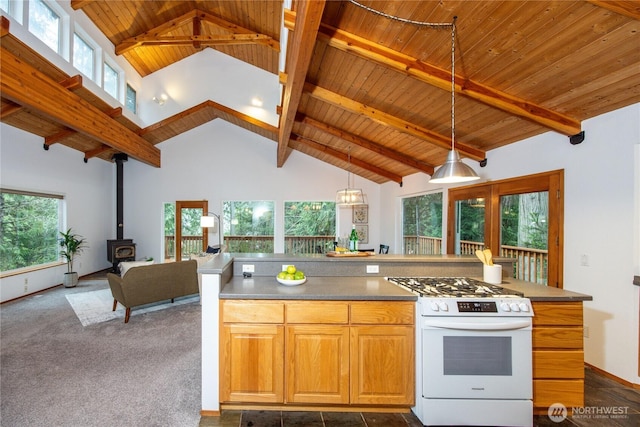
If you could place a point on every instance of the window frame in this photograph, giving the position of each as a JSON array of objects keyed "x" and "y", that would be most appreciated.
[
  {"x": 61, "y": 25},
  {"x": 61, "y": 224},
  {"x": 92, "y": 45},
  {"x": 128, "y": 87},
  {"x": 552, "y": 181},
  {"x": 118, "y": 73},
  {"x": 442, "y": 230},
  {"x": 324, "y": 246},
  {"x": 229, "y": 222}
]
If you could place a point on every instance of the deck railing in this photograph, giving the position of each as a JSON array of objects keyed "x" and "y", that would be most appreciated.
[
  {"x": 254, "y": 244},
  {"x": 530, "y": 265}
]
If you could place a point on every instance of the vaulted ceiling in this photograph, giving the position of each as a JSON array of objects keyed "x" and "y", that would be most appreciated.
[{"x": 369, "y": 80}]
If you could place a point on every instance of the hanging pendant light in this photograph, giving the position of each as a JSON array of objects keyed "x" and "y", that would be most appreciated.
[
  {"x": 453, "y": 170},
  {"x": 349, "y": 196}
]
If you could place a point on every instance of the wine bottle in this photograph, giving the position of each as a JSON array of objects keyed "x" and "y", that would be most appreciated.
[{"x": 353, "y": 239}]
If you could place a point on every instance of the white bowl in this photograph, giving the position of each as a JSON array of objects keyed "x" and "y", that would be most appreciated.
[{"x": 291, "y": 282}]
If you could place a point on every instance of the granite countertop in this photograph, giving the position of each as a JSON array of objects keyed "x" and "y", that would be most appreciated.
[{"x": 364, "y": 288}]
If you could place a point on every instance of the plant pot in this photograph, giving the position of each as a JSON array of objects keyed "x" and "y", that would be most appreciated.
[{"x": 70, "y": 279}]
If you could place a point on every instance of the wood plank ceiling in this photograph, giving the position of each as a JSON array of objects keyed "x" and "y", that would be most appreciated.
[{"x": 363, "y": 79}]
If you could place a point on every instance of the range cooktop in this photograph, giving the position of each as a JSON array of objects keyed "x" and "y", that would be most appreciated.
[{"x": 452, "y": 287}]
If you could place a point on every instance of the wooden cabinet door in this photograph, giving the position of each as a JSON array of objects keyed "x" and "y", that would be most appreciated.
[
  {"x": 382, "y": 365},
  {"x": 251, "y": 361},
  {"x": 317, "y": 364}
]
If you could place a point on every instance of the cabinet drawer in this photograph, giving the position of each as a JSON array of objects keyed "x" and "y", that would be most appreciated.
[
  {"x": 248, "y": 311},
  {"x": 383, "y": 313},
  {"x": 558, "y": 364},
  {"x": 568, "y": 392},
  {"x": 557, "y": 337},
  {"x": 317, "y": 312},
  {"x": 557, "y": 313}
]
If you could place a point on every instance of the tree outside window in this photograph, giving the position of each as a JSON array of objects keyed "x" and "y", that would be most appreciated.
[
  {"x": 309, "y": 227},
  {"x": 29, "y": 226},
  {"x": 422, "y": 224},
  {"x": 248, "y": 226}
]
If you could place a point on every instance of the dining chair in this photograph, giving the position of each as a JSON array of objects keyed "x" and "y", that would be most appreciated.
[{"x": 384, "y": 249}]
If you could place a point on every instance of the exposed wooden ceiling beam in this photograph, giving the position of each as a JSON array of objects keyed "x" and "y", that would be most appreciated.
[
  {"x": 630, "y": 9},
  {"x": 25, "y": 85},
  {"x": 369, "y": 145},
  {"x": 386, "y": 119},
  {"x": 71, "y": 83},
  {"x": 9, "y": 109},
  {"x": 441, "y": 78},
  {"x": 154, "y": 36},
  {"x": 65, "y": 133},
  {"x": 299, "y": 52},
  {"x": 79, "y": 4},
  {"x": 345, "y": 158},
  {"x": 95, "y": 152}
]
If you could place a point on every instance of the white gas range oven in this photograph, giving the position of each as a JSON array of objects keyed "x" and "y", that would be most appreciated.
[{"x": 473, "y": 353}]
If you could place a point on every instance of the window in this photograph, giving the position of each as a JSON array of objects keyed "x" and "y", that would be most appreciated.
[
  {"x": 45, "y": 24},
  {"x": 519, "y": 218},
  {"x": 13, "y": 8},
  {"x": 83, "y": 56},
  {"x": 422, "y": 224},
  {"x": 309, "y": 227},
  {"x": 111, "y": 80},
  {"x": 248, "y": 226},
  {"x": 29, "y": 229},
  {"x": 131, "y": 100}
]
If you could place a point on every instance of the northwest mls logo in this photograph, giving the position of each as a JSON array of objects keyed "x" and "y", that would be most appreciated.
[{"x": 557, "y": 412}]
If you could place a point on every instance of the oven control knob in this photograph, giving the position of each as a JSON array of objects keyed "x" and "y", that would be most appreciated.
[
  {"x": 505, "y": 307},
  {"x": 524, "y": 307},
  {"x": 514, "y": 307},
  {"x": 443, "y": 306},
  {"x": 434, "y": 306}
]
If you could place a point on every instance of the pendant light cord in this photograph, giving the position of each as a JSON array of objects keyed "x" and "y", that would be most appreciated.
[
  {"x": 453, "y": 82},
  {"x": 435, "y": 25}
]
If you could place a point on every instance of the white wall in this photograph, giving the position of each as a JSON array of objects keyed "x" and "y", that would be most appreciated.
[
  {"x": 88, "y": 190},
  {"x": 601, "y": 221},
  {"x": 220, "y": 161}
]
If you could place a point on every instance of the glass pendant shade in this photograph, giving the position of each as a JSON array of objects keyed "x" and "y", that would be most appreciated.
[
  {"x": 350, "y": 197},
  {"x": 453, "y": 171}
]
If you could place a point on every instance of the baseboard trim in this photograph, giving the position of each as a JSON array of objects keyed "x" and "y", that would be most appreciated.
[{"x": 613, "y": 377}]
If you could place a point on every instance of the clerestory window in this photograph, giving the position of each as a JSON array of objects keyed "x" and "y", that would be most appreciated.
[
  {"x": 45, "y": 24},
  {"x": 84, "y": 56}
]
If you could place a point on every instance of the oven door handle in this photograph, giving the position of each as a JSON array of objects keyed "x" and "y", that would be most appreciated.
[{"x": 467, "y": 326}]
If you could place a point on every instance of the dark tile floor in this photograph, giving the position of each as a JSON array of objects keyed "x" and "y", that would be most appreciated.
[{"x": 601, "y": 395}]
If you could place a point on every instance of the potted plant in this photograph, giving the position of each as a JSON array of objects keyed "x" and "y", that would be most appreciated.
[{"x": 72, "y": 244}]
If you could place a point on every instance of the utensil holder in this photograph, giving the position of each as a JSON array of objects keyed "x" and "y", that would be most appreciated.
[{"x": 492, "y": 274}]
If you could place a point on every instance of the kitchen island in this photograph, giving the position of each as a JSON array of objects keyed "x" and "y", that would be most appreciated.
[{"x": 320, "y": 315}]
